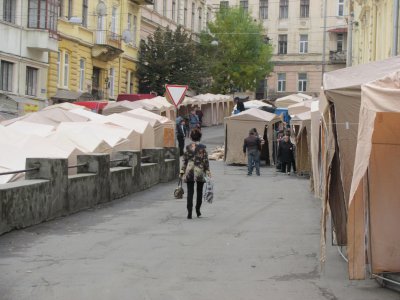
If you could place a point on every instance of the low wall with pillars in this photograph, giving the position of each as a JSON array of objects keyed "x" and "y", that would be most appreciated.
[{"x": 50, "y": 192}]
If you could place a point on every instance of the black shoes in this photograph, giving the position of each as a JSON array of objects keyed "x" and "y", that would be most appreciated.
[
  {"x": 198, "y": 213},
  {"x": 189, "y": 216}
]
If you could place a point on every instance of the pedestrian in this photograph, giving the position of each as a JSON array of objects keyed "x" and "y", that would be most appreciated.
[
  {"x": 193, "y": 120},
  {"x": 239, "y": 106},
  {"x": 253, "y": 146},
  {"x": 285, "y": 154},
  {"x": 180, "y": 135},
  {"x": 199, "y": 114},
  {"x": 195, "y": 169}
]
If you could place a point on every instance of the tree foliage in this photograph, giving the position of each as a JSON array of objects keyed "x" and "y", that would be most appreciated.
[
  {"x": 169, "y": 57},
  {"x": 242, "y": 58}
]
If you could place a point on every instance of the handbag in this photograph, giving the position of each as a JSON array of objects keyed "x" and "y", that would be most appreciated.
[
  {"x": 208, "y": 193},
  {"x": 178, "y": 192}
]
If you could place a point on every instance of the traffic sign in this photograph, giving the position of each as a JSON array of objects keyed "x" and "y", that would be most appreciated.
[{"x": 175, "y": 93}]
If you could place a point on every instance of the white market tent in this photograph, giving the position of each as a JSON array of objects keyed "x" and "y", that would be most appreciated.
[
  {"x": 65, "y": 106},
  {"x": 92, "y": 116},
  {"x": 147, "y": 138},
  {"x": 299, "y": 108},
  {"x": 164, "y": 129},
  {"x": 121, "y": 106},
  {"x": 286, "y": 101},
  {"x": 29, "y": 128},
  {"x": 237, "y": 128}
]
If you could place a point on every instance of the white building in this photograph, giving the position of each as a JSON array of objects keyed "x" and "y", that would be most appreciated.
[
  {"x": 28, "y": 31},
  {"x": 296, "y": 30}
]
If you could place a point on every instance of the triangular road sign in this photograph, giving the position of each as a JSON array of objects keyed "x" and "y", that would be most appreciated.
[{"x": 175, "y": 93}]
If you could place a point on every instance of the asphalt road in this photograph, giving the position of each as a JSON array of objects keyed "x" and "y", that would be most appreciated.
[{"x": 258, "y": 240}]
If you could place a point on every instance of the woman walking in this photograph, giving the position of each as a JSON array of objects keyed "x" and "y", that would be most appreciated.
[{"x": 194, "y": 170}]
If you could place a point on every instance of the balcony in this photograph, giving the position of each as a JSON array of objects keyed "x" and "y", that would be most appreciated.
[
  {"x": 337, "y": 57},
  {"x": 40, "y": 39},
  {"x": 107, "y": 45},
  {"x": 143, "y": 2}
]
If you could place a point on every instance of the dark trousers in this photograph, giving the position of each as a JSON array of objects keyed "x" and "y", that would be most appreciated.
[
  {"x": 181, "y": 143},
  {"x": 286, "y": 166},
  {"x": 293, "y": 164},
  {"x": 199, "y": 196}
]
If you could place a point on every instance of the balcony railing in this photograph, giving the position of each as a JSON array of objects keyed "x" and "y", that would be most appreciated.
[
  {"x": 337, "y": 57},
  {"x": 106, "y": 37}
]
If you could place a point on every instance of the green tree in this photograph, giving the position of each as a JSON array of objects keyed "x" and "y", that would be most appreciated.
[
  {"x": 236, "y": 52},
  {"x": 169, "y": 57}
]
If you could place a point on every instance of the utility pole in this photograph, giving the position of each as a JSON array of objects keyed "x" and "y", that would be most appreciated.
[
  {"x": 395, "y": 27},
  {"x": 324, "y": 42}
]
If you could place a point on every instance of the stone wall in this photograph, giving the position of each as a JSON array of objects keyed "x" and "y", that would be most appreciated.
[{"x": 49, "y": 192}]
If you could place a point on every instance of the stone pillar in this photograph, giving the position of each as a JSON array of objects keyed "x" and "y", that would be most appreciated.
[
  {"x": 133, "y": 161},
  {"x": 173, "y": 153},
  {"x": 100, "y": 165},
  {"x": 156, "y": 156},
  {"x": 56, "y": 171}
]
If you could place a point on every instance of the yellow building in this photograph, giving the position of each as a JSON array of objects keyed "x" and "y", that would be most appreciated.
[
  {"x": 97, "y": 50},
  {"x": 373, "y": 23}
]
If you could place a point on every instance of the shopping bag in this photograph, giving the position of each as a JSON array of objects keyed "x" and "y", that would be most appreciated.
[
  {"x": 208, "y": 192},
  {"x": 178, "y": 192}
]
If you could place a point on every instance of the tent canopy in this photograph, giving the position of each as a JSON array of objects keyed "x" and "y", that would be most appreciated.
[{"x": 291, "y": 99}]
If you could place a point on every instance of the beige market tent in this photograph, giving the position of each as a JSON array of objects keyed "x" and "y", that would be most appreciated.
[
  {"x": 303, "y": 140},
  {"x": 121, "y": 106},
  {"x": 87, "y": 114},
  {"x": 65, "y": 106},
  {"x": 291, "y": 99},
  {"x": 164, "y": 129},
  {"x": 315, "y": 150},
  {"x": 299, "y": 108},
  {"x": 375, "y": 186},
  {"x": 147, "y": 138},
  {"x": 237, "y": 129},
  {"x": 342, "y": 89}
]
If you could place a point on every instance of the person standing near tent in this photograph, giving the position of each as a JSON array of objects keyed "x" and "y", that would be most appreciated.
[
  {"x": 180, "y": 135},
  {"x": 199, "y": 114},
  {"x": 195, "y": 169},
  {"x": 253, "y": 146},
  {"x": 193, "y": 120},
  {"x": 285, "y": 154}
]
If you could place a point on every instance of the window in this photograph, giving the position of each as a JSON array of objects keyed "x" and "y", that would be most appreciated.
[
  {"x": 164, "y": 8},
  {"x": 58, "y": 69},
  {"x": 43, "y": 14},
  {"x": 302, "y": 82},
  {"x": 185, "y": 9},
  {"x": 304, "y": 8},
  {"x": 9, "y": 10},
  {"x": 340, "y": 8},
  {"x": 134, "y": 33},
  {"x": 155, "y": 6},
  {"x": 31, "y": 81},
  {"x": 283, "y": 9},
  {"x": 200, "y": 18},
  {"x": 223, "y": 4},
  {"x": 131, "y": 78},
  {"x": 339, "y": 42},
  {"x": 244, "y": 4},
  {"x": 173, "y": 16},
  {"x": 66, "y": 69},
  {"x": 282, "y": 44},
  {"x": 114, "y": 20},
  {"x": 6, "y": 75},
  {"x": 84, "y": 13},
  {"x": 263, "y": 9},
  {"x": 281, "y": 82},
  {"x": 61, "y": 8},
  {"x": 111, "y": 82},
  {"x": 81, "y": 74},
  {"x": 193, "y": 15},
  {"x": 70, "y": 9},
  {"x": 303, "y": 43}
]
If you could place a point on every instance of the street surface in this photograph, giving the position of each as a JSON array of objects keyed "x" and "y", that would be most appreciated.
[{"x": 258, "y": 240}]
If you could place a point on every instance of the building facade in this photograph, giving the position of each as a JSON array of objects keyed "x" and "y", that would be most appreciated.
[
  {"x": 28, "y": 31},
  {"x": 373, "y": 36},
  {"x": 296, "y": 29},
  {"x": 192, "y": 15},
  {"x": 98, "y": 50}
]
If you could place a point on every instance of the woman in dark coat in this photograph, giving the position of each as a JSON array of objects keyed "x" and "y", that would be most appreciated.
[
  {"x": 285, "y": 154},
  {"x": 194, "y": 170}
]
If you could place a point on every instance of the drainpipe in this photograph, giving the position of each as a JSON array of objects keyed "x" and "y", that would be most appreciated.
[
  {"x": 349, "y": 59},
  {"x": 324, "y": 43},
  {"x": 395, "y": 26}
]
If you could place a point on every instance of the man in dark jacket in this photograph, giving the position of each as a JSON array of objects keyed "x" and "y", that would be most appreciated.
[
  {"x": 180, "y": 136},
  {"x": 285, "y": 154},
  {"x": 253, "y": 145}
]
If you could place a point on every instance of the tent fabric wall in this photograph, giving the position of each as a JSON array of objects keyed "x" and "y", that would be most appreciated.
[
  {"x": 237, "y": 128},
  {"x": 375, "y": 169}
]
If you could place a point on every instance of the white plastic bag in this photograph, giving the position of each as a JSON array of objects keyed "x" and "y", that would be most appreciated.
[{"x": 208, "y": 190}]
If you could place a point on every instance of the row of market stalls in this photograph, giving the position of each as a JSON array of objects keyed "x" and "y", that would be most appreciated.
[
  {"x": 67, "y": 130},
  {"x": 214, "y": 107}
]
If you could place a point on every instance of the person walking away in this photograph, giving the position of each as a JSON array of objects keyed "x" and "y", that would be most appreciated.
[
  {"x": 193, "y": 120},
  {"x": 199, "y": 114},
  {"x": 253, "y": 146},
  {"x": 180, "y": 136},
  {"x": 285, "y": 154},
  {"x": 194, "y": 170}
]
